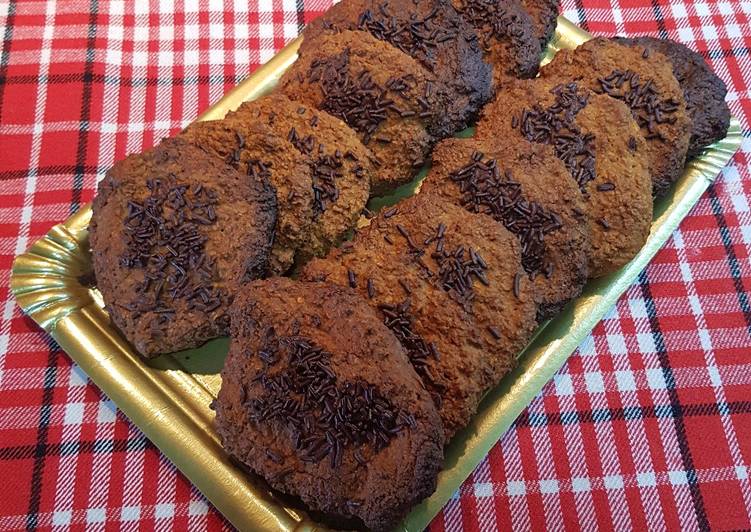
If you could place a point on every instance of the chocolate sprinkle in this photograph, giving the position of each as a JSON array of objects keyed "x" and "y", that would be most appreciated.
[
  {"x": 356, "y": 98},
  {"x": 165, "y": 236},
  {"x": 647, "y": 106},
  {"x": 555, "y": 125},
  {"x": 495, "y": 333},
  {"x": 496, "y": 21},
  {"x": 273, "y": 456},
  {"x": 403, "y": 231},
  {"x": 405, "y": 286},
  {"x": 605, "y": 187},
  {"x": 485, "y": 190},
  {"x": 304, "y": 145},
  {"x": 326, "y": 169},
  {"x": 258, "y": 169},
  {"x": 322, "y": 415},
  {"x": 359, "y": 458},
  {"x": 458, "y": 269},
  {"x": 400, "y": 321},
  {"x": 517, "y": 285},
  {"x": 390, "y": 212},
  {"x": 418, "y": 37}
]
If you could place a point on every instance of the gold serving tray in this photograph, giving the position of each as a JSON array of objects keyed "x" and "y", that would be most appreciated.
[{"x": 168, "y": 398}]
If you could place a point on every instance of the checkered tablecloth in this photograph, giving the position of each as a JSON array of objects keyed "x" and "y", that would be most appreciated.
[{"x": 647, "y": 426}]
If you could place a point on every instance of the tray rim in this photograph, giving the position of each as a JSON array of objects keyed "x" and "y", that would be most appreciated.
[{"x": 45, "y": 282}]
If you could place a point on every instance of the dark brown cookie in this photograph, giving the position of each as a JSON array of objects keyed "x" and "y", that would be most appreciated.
[
  {"x": 544, "y": 15},
  {"x": 506, "y": 34},
  {"x": 173, "y": 234},
  {"x": 386, "y": 96},
  {"x": 527, "y": 190},
  {"x": 340, "y": 167},
  {"x": 599, "y": 142},
  {"x": 433, "y": 33},
  {"x": 254, "y": 149},
  {"x": 318, "y": 398},
  {"x": 645, "y": 82},
  {"x": 452, "y": 288},
  {"x": 321, "y": 172},
  {"x": 703, "y": 89}
]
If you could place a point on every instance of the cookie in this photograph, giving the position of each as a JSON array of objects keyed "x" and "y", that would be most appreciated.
[
  {"x": 527, "y": 190},
  {"x": 174, "y": 233},
  {"x": 645, "y": 82},
  {"x": 340, "y": 167},
  {"x": 319, "y": 399},
  {"x": 703, "y": 90},
  {"x": 387, "y": 97},
  {"x": 600, "y": 144},
  {"x": 322, "y": 180},
  {"x": 254, "y": 150},
  {"x": 433, "y": 33},
  {"x": 451, "y": 287},
  {"x": 544, "y": 15},
  {"x": 506, "y": 35}
]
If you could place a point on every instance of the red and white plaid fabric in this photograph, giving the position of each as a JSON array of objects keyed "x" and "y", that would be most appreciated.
[{"x": 647, "y": 426}]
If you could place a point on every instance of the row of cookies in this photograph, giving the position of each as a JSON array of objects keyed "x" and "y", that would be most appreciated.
[
  {"x": 404, "y": 75},
  {"x": 177, "y": 229},
  {"x": 500, "y": 237},
  {"x": 376, "y": 85},
  {"x": 555, "y": 187}
]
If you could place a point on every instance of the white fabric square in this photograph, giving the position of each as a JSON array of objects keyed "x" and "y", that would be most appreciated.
[
  {"x": 516, "y": 488},
  {"x": 483, "y": 489},
  {"x": 594, "y": 382},
  {"x": 164, "y": 510},
  {"x": 563, "y": 384},
  {"x": 625, "y": 381},
  {"x": 130, "y": 513},
  {"x": 613, "y": 482},
  {"x": 646, "y": 342},
  {"x": 579, "y": 484},
  {"x": 61, "y": 518},
  {"x": 96, "y": 515},
  {"x": 656, "y": 379},
  {"x": 548, "y": 486},
  {"x": 73, "y": 414}
]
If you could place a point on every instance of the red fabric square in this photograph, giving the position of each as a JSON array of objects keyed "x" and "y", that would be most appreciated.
[{"x": 725, "y": 506}]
